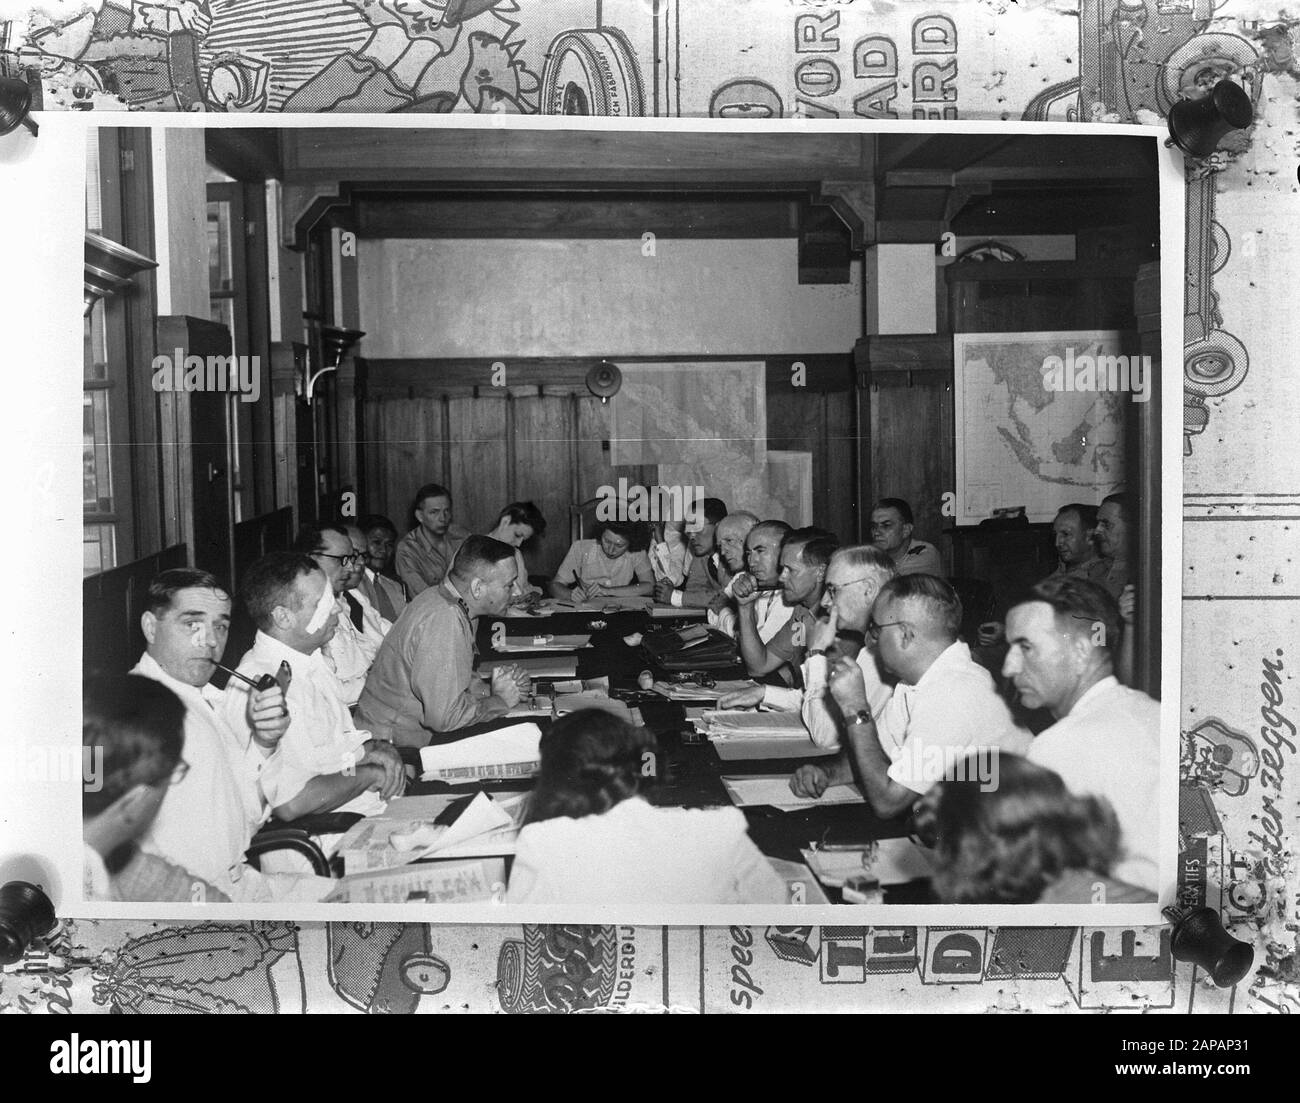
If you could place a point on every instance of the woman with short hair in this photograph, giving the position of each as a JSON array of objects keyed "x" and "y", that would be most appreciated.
[
  {"x": 1021, "y": 837},
  {"x": 615, "y": 564}
]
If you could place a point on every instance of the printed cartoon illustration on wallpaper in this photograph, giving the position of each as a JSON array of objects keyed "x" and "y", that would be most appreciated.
[
  {"x": 557, "y": 968},
  {"x": 282, "y": 55},
  {"x": 1137, "y": 59},
  {"x": 1217, "y": 757},
  {"x": 384, "y": 968},
  {"x": 207, "y": 968}
]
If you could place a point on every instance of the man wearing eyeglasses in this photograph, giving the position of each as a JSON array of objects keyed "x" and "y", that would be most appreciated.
[
  {"x": 853, "y": 579},
  {"x": 350, "y": 651},
  {"x": 132, "y": 735},
  {"x": 944, "y": 705}
]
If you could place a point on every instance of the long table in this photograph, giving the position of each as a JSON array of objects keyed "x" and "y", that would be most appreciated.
[{"x": 688, "y": 773}]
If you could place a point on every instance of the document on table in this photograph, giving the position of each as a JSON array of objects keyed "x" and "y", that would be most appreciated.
[
  {"x": 511, "y": 752},
  {"x": 406, "y": 832},
  {"x": 430, "y": 883},
  {"x": 797, "y": 887},
  {"x": 689, "y": 691},
  {"x": 673, "y": 612},
  {"x": 564, "y": 665},
  {"x": 485, "y": 827},
  {"x": 747, "y": 791},
  {"x": 544, "y": 643}
]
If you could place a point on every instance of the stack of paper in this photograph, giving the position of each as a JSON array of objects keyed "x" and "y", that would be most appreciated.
[
  {"x": 675, "y": 612},
  {"x": 774, "y": 791},
  {"x": 689, "y": 691},
  {"x": 560, "y": 665},
  {"x": 406, "y": 832},
  {"x": 493, "y": 756},
  {"x": 546, "y": 642},
  {"x": 747, "y": 734}
]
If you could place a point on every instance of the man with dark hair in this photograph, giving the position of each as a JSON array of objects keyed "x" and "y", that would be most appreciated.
[
  {"x": 517, "y": 524},
  {"x": 422, "y": 682},
  {"x": 210, "y": 815},
  {"x": 351, "y": 648},
  {"x": 760, "y": 581},
  {"x": 425, "y": 553},
  {"x": 1106, "y": 739},
  {"x": 132, "y": 731},
  {"x": 1113, "y": 535},
  {"x": 383, "y": 591},
  {"x": 805, "y": 555},
  {"x": 943, "y": 707},
  {"x": 891, "y": 532},
  {"x": 325, "y": 763},
  {"x": 702, "y": 581}
]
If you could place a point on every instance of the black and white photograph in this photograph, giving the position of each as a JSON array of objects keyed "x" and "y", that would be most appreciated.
[{"x": 627, "y": 522}]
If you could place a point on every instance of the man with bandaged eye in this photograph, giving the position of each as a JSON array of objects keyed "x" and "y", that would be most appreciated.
[{"x": 325, "y": 762}]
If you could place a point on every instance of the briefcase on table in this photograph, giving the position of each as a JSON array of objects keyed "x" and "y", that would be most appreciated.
[{"x": 693, "y": 648}]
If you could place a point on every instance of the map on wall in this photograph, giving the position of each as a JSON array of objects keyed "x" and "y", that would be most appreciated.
[
  {"x": 690, "y": 413},
  {"x": 1039, "y": 419},
  {"x": 781, "y": 487}
]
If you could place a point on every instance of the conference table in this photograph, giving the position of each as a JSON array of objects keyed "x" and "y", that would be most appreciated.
[{"x": 689, "y": 770}]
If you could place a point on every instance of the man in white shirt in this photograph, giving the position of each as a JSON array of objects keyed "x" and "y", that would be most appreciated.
[
  {"x": 730, "y": 557},
  {"x": 805, "y": 555},
  {"x": 853, "y": 579},
  {"x": 763, "y": 563},
  {"x": 943, "y": 708},
  {"x": 324, "y": 763},
  {"x": 1106, "y": 739},
  {"x": 351, "y": 650},
  {"x": 208, "y": 817}
]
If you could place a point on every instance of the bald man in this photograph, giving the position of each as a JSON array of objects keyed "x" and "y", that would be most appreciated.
[{"x": 730, "y": 560}]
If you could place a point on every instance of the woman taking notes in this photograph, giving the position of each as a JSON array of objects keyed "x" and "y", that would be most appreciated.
[
  {"x": 518, "y": 523},
  {"x": 604, "y": 567}
]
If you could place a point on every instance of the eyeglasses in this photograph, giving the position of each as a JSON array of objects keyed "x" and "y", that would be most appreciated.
[
  {"x": 834, "y": 588},
  {"x": 874, "y": 629},
  {"x": 351, "y": 557}
]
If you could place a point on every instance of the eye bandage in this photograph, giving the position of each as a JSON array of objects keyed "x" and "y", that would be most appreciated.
[{"x": 324, "y": 608}]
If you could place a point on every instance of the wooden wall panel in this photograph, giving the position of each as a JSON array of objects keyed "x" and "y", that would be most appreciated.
[
  {"x": 820, "y": 422},
  {"x": 912, "y": 453},
  {"x": 542, "y": 472},
  {"x": 480, "y": 475},
  {"x": 404, "y": 439},
  {"x": 546, "y": 440}
]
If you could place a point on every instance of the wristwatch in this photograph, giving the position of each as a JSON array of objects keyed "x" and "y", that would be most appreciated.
[{"x": 862, "y": 716}]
